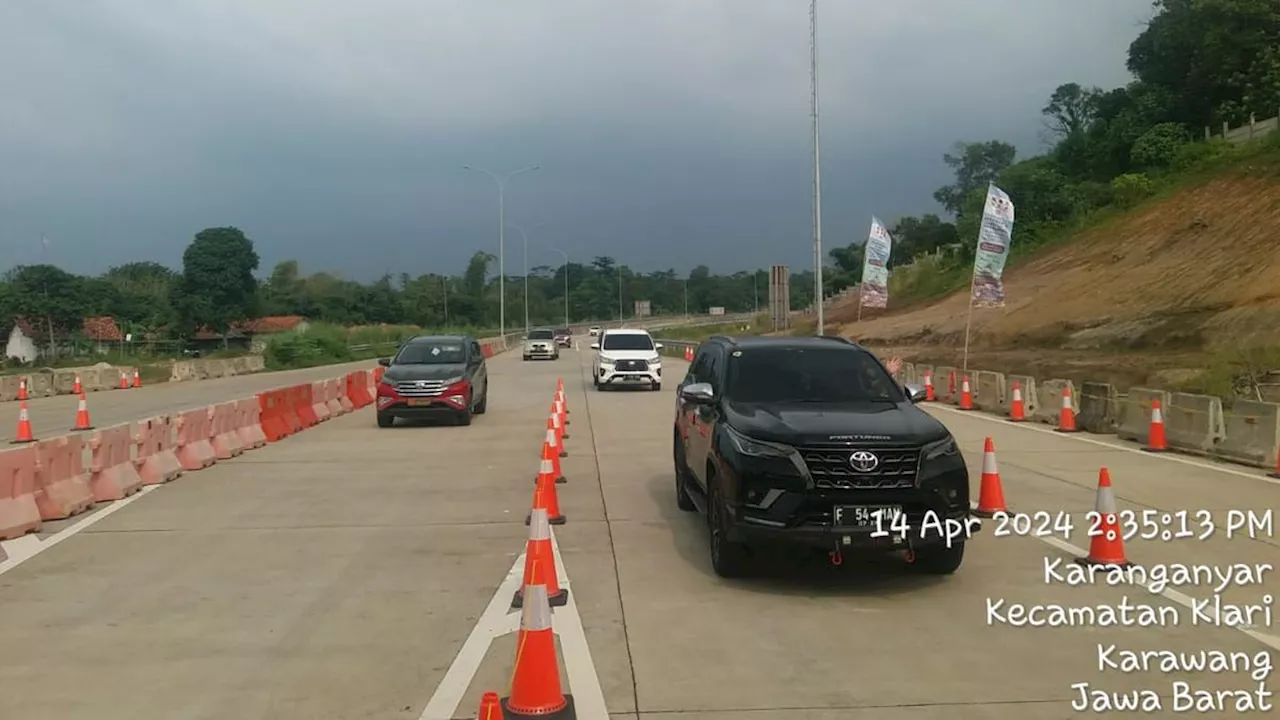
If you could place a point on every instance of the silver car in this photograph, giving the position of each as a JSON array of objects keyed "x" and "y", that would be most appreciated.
[{"x": 540, "y": 344}]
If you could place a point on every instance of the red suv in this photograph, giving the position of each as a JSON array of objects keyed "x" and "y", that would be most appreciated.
[{"x": 434, "y": 376}]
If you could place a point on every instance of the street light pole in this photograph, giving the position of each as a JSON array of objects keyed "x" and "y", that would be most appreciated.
[
  {"x": 502, "y": 239},
  {"x": 686, "y": 298},
  {"x": 525, "y": 236},
  {"x": 564, "y": 255},
  {"x": 619, "y": 296},
  {"x": 817, "y": 168}
]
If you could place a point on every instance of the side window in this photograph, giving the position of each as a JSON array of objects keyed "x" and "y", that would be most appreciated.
[
  {"x": 698, "y": 370},
  {"x": 476, "y": 352},
  {"x": 714, "y": 363}
]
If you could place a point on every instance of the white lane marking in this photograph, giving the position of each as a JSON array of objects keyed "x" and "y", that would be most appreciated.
[
  {"x": 498, "y": 620},
  {"x": 1103, "y": 443},
  {"x": 1170, "y": 594},
  {"x": 24, "y": 548}
]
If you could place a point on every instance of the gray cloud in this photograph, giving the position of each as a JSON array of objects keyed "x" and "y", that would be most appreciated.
[{"x": 671, "y": 132}]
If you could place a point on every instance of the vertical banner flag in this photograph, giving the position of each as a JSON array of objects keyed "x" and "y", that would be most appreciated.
[
  {"x": 994, "y": 238},
  {"x": 875, "y": 267}
]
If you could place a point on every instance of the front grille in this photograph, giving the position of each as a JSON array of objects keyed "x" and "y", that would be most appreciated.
[
  {"x": 420, "y": 388},
  {"x": 631, "y": 365},
  {"x": 539, "y": 347},
  {"x": 830, "y": 467}
]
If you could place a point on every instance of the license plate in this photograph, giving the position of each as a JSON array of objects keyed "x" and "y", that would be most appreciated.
[
  {"x": 418, "y": 403},
  {"x": 865, "y": 515}
]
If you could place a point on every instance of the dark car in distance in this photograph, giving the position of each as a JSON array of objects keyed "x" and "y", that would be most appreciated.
[
  {"x": 564, "y": 337},
  {"x": 433, "y": 377},
  {"x": 810, "y": 441}
]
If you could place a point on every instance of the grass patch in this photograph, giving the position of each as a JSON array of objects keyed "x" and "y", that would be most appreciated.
[{"x": 1235, "y": 374}]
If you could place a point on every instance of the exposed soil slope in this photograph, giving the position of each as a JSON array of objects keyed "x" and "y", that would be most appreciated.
[{"x": 1166, "y": 285}]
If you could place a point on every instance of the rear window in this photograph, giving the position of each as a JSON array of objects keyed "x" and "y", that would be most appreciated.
[
  {"x": 431, "y": 353},
  {"x": 540, "y": 335},
  {"x": 627, "y": 341},
  {"x": 814, "y": 375}
]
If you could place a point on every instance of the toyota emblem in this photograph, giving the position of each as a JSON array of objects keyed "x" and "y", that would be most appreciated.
[
  {"x": 863, "y": 461},
  {"x": 423, "y": 383}
]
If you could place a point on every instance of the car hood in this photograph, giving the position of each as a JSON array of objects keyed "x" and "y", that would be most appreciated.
[
  {"x": 406, "y": 373},
  {"x": 539, "y": 341},
  {"x": 650, "y": 355},
  {"x": 813, "y": 424}
]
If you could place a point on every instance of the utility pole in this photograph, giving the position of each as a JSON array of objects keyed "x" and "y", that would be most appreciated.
[
  {"x": 444, "y": 285},
  {"x": 620, "y": 315},
  {"x": 686, "y": 298},
  {"x": 817, "y": 167},
  {"x": 755, "y": 286},
  {"x": 502, "y": 240}
]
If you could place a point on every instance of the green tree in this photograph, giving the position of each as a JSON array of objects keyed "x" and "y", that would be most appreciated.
[
  {"x": 217, "y": 286},
  {"x": 975, "y": 165}
]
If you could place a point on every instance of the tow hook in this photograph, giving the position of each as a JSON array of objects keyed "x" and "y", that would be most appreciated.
[
  {"x": 909, "y": 556},
  {"x": 837, "y": 558}
]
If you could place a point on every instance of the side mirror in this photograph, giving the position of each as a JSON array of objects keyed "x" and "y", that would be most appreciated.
[
  {"x": 697, "y": 393},
  {"x": 384, "y": 362},
  {"x": 524, "y": 337},
  {"x": 595, "y": 346},
  {"x": 915, "y": 393},
  {"x": 657, "y": 346}
]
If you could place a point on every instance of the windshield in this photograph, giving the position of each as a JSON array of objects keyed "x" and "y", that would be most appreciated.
[
  {"x": 627, "y": 341},
  {"x": 825, "y": 375},
  {"x": 563, "y": 331},
  {"x": 541, "y": 335},
  {"x": 431, "y": 353}
]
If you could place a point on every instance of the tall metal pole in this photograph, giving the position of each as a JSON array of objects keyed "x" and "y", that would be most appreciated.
[
  {"x": 619, "y": 296},
  {"x": 565, "y": 255},
  {"x": 686, "y": 298},
  {"x": 525, "y": 236},
  {"x": 817, "y": 167},
  {"x": 502, "y": 240}
]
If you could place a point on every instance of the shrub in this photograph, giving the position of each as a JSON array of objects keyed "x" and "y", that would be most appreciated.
[{"x": 1131, "y": 188}]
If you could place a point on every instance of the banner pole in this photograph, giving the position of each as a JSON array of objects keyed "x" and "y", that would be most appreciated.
[
  {"x": 968, "y": 323},
  {"x": 859, "y": 303}
]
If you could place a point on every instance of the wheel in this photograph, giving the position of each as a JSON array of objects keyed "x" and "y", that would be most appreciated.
[
  {"x": 656, "y": 386},
  {"x": 385, "y": 420},
  {"x": 728, "y": 559},
  {"x": 464, "y": 417},
  {"x": 683, "y": 501},
  {"x": 527, "y": 358},
  {"x": 940, "y": 560},
  {"x": 483, "y": 405}
]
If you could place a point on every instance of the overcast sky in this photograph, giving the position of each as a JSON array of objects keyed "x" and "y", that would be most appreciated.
[{"x": 670, "y": 133}]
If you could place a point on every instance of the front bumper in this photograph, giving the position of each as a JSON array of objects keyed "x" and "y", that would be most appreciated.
[
  {"x": 952, "y": 528},
  {"x": 548, "y": 353},
  {"x": 450, "y": 400},
  {"x": 610, "y": 375}
]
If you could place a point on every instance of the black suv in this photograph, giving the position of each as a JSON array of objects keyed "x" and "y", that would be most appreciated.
[
  {"x": 434, "y": 376},
  {"x": 803, "y": 440}
]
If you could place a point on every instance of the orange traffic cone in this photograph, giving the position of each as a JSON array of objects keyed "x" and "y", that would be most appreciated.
[
  {"x": 22, "y": 389},
  {"x": 137, "y": 378},
  {"x": 991, "y": 494},
  {"x": 490, "y": 707},
  {"x": 1067, "y": 416},
  {"x": 1107, "y": 545},
  {"x": 24, "y": 426},
  {"x": 928, "y": 386},
  {"x": 1017, "y": 411},
  {"x": 563, "y": 402},
  {"x": 1156, "y": 440},
  {"x": 540, "y": 562},
  {"x": 550, "y": 466},
  {"x": 77, "y": 389},
  {"x": 124, "y": 380},
  {"x": 545, "y": 498},
  {"x": 966, "y": 395},
  {"x": 556, "y": 452},
  {"x": 535, "y": 679},
  {"x": 554, "y": 433},
  {"x": 82, "y": 416},
  {"x": 557, "y": 421}
]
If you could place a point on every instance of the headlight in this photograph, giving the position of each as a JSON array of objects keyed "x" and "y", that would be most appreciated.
[
  {"x": 606, "y": 360},
  {"x": 757, "y": 448},
  {"x": 453, "y": 380},
  {"x": 945, "y": 447}
]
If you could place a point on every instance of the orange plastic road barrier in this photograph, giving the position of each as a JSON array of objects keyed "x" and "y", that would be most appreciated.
[
  {"x": 224, "y": 435},
  {"x": 82, "y": 415},
  {"x": 273, "y": 424},
  {"x": 966, "y": 395},
  {"x": 540, "y": 563},
  {"x": 1066, "y": 416},
  {"x": 62, "y": 485},
  {"x": 1156, "y": 440},
  {"x": 344, "y": 393},
  {"x": 319, "y": 407},
  {"x": 1017, "y": 410},
  {"x": 1107, "y": 546},
  {"x": 545, "y": 498},
  {"x": 535, "y": 680},
  {"x": 490, "y": 707},
  {"x": 928, "y": 386},
  {"x": 24, "y": 426},
  {"x": 195, "y": 430},
  {"x": 332, "y": 390},
  {"x": 112, "y": 473},
  {"x": 157, "y": 454},
  {"x": 137, "y": 378},
  {"x": 303, "y": 406},
  {"x": 289, "y": 410},
  {"x": 991, "y": 494},
  {"x": 249, "y": 424},
  {"x": 19, "y": 514}
]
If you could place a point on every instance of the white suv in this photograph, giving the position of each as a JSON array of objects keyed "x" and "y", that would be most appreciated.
[{"x": 627, "y": 357}]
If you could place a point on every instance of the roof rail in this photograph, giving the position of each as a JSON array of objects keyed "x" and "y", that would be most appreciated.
[{"x": 726, "y": 338}]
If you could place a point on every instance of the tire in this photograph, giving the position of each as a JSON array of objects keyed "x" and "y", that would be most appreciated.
[
  {"x": 464, "y": 417},
  {"x": 728, "y": 559},
  {"x": 683, "y": 501},
  {"x": 941, "y": 560},
  {"x": 656, "y": 386},
  {"x": 385, "y": 420},
  {"x": 482, "y": 406},
  {"x": 527, "y": 358}
]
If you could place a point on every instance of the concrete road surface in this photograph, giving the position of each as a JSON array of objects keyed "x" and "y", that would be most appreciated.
[{"x": 350, "y": 572}]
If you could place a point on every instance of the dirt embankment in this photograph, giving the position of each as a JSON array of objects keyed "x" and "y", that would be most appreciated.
[{"x": 1156, "y": 295}]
